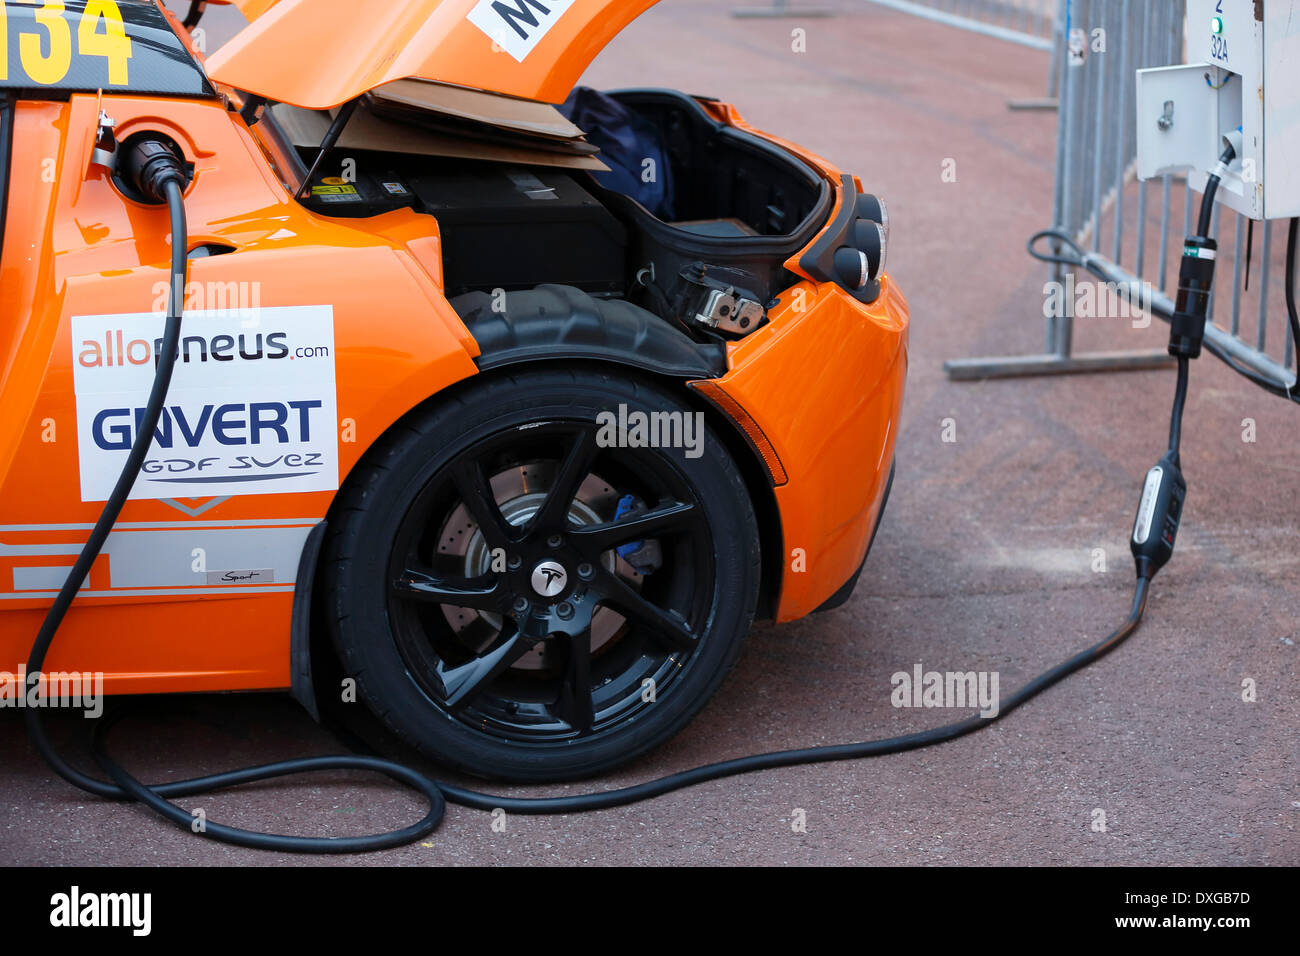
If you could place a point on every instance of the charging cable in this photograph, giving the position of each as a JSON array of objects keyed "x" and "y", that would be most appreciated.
[
  {"x": 153, "y": 170},
  {"x": 163, "y": 179}
]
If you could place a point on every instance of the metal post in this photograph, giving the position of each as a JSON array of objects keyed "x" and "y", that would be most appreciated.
[{"x": 981, "y": 21}]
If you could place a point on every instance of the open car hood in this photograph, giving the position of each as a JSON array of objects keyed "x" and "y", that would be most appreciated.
[{"x": 320, "y": 53}]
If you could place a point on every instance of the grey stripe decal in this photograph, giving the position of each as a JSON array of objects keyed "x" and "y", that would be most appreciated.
[
  {"x": 240, "y": 523},
  {"x": 178, "y": 592},
  {"x": 41, "y": 578},
  {"x": 174, "y": 557},
  {"x": 33, "y": 550},
  {"x": 150, "y": 559}
]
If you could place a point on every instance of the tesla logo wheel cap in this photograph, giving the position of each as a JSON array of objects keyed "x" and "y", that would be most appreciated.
[{"x": 549, "y": 578}]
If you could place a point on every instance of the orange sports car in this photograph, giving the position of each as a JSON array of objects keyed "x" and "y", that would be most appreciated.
[{"x": 512, "y": 403}]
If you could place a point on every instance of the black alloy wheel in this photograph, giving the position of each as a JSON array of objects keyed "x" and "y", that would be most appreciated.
[{"x": 520, "y": 597}]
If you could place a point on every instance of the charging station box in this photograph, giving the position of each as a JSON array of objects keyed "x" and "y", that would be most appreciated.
[{"x": 1243, "y": 71}]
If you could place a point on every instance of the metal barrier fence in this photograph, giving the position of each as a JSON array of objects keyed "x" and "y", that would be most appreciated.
[
  {"x": 780, "y": 8},
  {"x": 1103, "y": 218},
  {"x": 1028, "y": 22}
]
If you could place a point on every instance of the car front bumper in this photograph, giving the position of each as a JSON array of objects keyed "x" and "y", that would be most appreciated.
[{"x": 824, "y": 383}]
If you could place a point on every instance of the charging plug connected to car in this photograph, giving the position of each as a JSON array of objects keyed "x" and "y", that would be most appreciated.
[{"x": 153, "y": 171}]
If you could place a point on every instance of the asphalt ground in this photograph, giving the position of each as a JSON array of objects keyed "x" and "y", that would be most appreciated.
[{"x": 986, "y": 560}]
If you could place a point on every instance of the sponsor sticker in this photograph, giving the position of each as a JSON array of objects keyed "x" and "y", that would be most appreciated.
[
  {"x": 252, "y": 407},
  {"x": 517, "y": 26}
]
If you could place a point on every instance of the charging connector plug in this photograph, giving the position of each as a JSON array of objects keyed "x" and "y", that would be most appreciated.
[
  {"x": 147, "y": 165},
  {"x": 1161, "y": 508},
  {"x": 1196, "y": 274},
  {"x": 1192, "y": 307}
]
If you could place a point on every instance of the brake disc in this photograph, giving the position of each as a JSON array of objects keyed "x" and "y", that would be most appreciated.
[{"x": 519, "y": 492}]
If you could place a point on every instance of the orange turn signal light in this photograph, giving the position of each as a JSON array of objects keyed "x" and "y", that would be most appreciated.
[{"x": 731, "y": 408}]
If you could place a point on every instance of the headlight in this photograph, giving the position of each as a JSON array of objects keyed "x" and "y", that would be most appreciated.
[
  {"x": 853, "y": 249},
  {"x": 870, "y": 239},
  {"x": 873, "y": 209},
  {"x": 852, "y": 267}
]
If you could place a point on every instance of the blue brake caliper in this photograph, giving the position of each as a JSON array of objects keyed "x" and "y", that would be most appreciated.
[{"x": 644, "y": 556}]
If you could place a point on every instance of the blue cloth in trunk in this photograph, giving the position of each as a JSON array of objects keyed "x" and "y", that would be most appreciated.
[{"x": 626, "y": 141}]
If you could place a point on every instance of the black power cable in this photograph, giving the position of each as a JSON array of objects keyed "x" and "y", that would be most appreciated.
[
  {"x": 1150, "y": 554},
  {"x": 155, "y": 171},
  {"x": 1293, "y": 316}
]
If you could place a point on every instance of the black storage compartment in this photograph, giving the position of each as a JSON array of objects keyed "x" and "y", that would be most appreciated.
[
  {"x": 719, "y": 172},
  {"x": 516, "y": 228}
]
